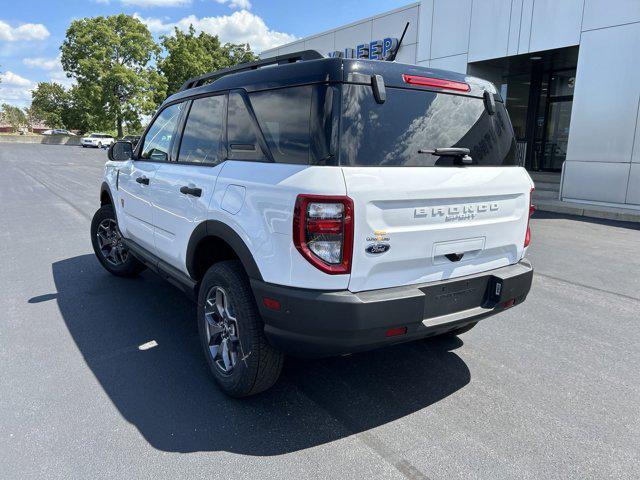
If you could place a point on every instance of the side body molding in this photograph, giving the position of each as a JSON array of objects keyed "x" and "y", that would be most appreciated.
[{"x": 214, "y": 228}]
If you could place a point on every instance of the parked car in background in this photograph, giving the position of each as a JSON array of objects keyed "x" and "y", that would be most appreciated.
[
  {"x": 97, "y": 140},
  {"x": 134, "y": 139},
  {"x": 58, "y": 131}
]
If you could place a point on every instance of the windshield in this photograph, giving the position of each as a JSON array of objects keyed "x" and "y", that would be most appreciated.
[{"x": 410, "y": 121}]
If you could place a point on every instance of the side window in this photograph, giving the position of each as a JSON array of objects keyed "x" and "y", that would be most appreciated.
[
  {"x": 283, "y": 116},
  {"x": 242, "y": 137},
  {"x": 202, "y": 136},
  {"x": 158, "y": 139}
]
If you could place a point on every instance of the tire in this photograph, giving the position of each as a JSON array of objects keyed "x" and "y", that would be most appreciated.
[
  {"x": 99, "y": 145},
  {"x": 108, "y": 241},
  {"x": 461, "y": 330},
  {"x": 255, "y": 365},
  {"x": 84, "y": 146}
]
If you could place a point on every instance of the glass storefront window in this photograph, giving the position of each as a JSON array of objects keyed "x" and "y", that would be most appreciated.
[{"x": 516, "y": 101}]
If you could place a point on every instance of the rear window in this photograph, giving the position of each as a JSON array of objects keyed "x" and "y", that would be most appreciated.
[
  {"x": 283, "y": 116},
  {"x": 241, "y": 131},
  {"x": 393, "y": 133}
]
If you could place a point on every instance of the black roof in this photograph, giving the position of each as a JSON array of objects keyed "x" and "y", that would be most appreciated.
[{"x": 311, "y": 67}]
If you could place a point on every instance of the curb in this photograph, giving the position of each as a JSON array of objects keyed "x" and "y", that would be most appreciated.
[{"x": 590, "y": 211}]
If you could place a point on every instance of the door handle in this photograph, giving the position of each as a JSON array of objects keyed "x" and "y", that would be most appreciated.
[
  {"x": 142, "y": 180},
  {"x": 193, "y": 191}
]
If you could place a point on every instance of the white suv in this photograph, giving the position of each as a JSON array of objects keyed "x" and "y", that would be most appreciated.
[
  {"x": 97, "y": 140},
  {"x": 322, "y": 207}
]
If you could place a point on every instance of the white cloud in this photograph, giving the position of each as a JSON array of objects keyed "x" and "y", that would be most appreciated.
[
  {"x": 10, "y": 78},
  {"x": 26, "y": 31},
  {"x": 15, "y": 90},
  {"x": 239, "y": 27},
  {"x": 53, "y": 67},
  {"x": 239, "y": 4},
  {"x": 156, "y": 3},
  {"x": 42, "y": 63}
]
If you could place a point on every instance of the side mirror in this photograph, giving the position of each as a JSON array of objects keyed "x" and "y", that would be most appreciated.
[{"x": 120, "y": 151}]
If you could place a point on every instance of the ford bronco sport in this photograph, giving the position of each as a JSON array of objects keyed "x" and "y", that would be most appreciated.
[{"x": 322, "y": 206}]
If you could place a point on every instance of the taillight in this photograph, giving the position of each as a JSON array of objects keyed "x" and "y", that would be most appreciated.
[
  {"x": 435, "y": 82},
  {"x": 323, "y": 231},
  {"x": 532, "y": 208}
]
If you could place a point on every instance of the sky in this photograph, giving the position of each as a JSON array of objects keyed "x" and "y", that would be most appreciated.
[{"x": 31, "y": 31}]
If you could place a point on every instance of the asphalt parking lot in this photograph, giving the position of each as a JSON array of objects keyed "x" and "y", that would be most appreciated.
[{"x": 550, "y": 389}]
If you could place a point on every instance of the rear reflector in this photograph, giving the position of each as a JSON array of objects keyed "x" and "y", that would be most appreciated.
[
  {"x": 271, "y": 303},
  {"x": 435, "y": 82},
  {"x": 392, "y": 332},
  {"x": 509, "y": 303}
]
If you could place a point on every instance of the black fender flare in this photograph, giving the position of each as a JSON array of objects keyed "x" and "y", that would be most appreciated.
[
  {"x": 104, "y": 188},
  {"x": 214, "y": 228}
]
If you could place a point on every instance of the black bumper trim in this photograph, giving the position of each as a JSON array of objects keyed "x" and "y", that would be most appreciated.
[{"x": 316, "y": 323}]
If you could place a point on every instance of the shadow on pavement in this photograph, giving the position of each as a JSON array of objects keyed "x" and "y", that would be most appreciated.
[{"x": 167, "y": 393}]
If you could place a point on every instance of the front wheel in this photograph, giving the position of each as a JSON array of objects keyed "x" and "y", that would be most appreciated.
[
  {"x": 108, "y": 246},
  {"x": 231, "y": 331}
]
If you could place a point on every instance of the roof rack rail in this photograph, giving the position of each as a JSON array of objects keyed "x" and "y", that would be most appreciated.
[{"x": 277, "y": 60}]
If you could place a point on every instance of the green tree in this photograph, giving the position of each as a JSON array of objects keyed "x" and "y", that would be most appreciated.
[
  {"x": 189, "y": 55},
  {"x": 110, "y": 59},
  {"x": 14, "y": 116},
  {"x": 49, "y": 103}
]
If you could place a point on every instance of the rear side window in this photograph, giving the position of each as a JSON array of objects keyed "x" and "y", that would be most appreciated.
[
  {"x": 241, "y": 131},
  {"x": 393, "y": 133},
  {"x": 202, "y": 136},
  {"x": 157, "y": 141},
  {"x": 283, "y": 116}
]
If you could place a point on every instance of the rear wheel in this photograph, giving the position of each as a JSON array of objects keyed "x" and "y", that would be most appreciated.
[
  {"x": 108, "y": 246},
  {"x": 241, "y": 360}
]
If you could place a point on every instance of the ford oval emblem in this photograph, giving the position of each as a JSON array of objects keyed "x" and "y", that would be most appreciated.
[{"x": 377, "y": 248}]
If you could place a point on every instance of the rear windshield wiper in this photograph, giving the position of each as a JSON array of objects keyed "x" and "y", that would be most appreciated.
[{"x": 461, "y": 153}]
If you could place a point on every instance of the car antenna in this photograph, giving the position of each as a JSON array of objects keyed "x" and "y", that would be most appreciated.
[{"x": 393, "y": 55}]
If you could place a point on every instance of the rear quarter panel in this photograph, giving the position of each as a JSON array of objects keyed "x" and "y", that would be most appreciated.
[{"x": 264, "y": 219}]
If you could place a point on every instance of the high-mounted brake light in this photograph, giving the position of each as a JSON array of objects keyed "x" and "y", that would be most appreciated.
[
  {"x": 435, "y": 82},
  {"x": 323, "y": 231},
  {"x": 532, "y": 208}
]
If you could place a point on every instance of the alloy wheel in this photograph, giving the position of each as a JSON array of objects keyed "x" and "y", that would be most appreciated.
[
  {"x": 110, "y": 242},
  {"x": 222, "y": 330}
]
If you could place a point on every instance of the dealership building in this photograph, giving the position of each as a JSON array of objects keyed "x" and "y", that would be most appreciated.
[{"x": 569, "y": 71}]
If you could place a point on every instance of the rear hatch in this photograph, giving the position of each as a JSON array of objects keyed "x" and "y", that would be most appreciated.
[{"x": 420, "y": 217}]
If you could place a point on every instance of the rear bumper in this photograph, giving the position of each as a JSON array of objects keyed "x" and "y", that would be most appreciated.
[{"x": 316, "y": 323}]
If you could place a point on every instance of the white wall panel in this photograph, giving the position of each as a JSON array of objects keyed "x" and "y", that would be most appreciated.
[
  {"x": 272, "y": 52},
  {"x": 597, "y": 181},
  {"x": 392, "y": 26},
  {"x": 456, "y": 63},
  {"x": 525, "y": 26},
  {"x": 635, "y": 156},
  {"x": 514, "y": 27},
  {"x": 450, "y": 35},
  {"x": 605, "y": 102},
  {"x": 292, "y": 47},
  {"x": 352, "y": 36},
  {"x": 489, "y": 34},
  {"x": 407, "y": 54},
  {"x": 324, "y": 43},
  {"x": 606, "y": 13},
  {"x": 424, "y": 34},
  {"x": 633, "y": 191},
  {"x": 556, "y": 23}
]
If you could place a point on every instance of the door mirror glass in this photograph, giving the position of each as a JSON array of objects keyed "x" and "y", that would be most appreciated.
[{"x": 120, "y": 151}]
